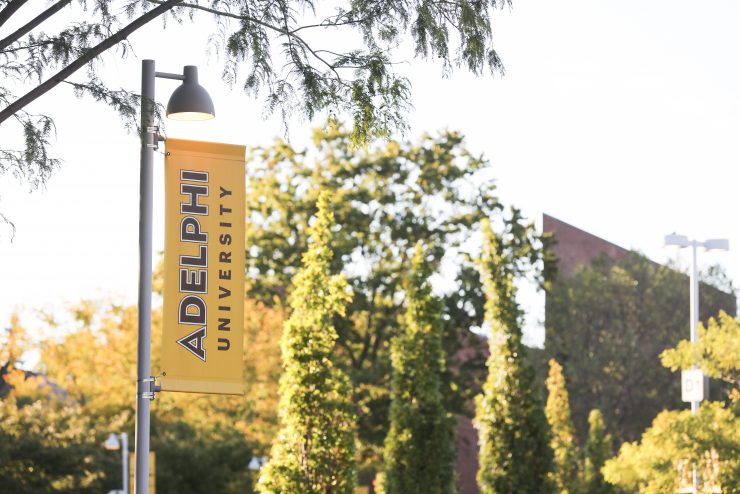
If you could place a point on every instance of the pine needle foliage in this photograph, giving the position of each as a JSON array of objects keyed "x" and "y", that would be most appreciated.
[
  {"x": 419, "y": 448},
  {"x": 284, "y": 53},
  {"x": 515, "y": 454},
  {"x": 314, "y": 452},
  {"x": 562, "y": 442},
  {"x": 597, "y": 450}
]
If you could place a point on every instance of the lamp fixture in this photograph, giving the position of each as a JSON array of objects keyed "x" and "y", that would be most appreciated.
[
  {"x": 112, "y": 443},
  {"x": 190, "y": 101}
]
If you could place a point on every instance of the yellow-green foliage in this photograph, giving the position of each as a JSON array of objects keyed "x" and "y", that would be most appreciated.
[
  {"x": 419, "y": 449},
  {"x": 564, "y": 448},
  {"x": 650, "y": 466},
  {"x": 717, "y": 352},
  {"x": 515, "y": 455},
  {"x": 314, "y": 450},
  {"x": 386, "y": 198}
]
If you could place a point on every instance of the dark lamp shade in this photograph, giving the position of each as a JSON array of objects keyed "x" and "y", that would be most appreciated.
[{"x": 190, "y": 101}]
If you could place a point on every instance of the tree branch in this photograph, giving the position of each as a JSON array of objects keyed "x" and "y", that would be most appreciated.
[
  {"x": 84, "y": 59},
  {"x": 369, "y": 327},
  {"x": 10, "y": 9},
  {"x": 18, "y": 48},
  {"x": 223, "y": 13},
  {"x": 327, "y": 23},
  {"x": 26, "y": 28}
]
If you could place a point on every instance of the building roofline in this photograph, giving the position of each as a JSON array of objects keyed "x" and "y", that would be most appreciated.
[{"x": 581, "y": 230}]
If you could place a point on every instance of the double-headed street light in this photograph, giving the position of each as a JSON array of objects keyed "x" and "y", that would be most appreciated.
[
  {"x": 683, "y": 241},
  {"x": 113, "y": 444},
  {"x": 188, "y": 102}
]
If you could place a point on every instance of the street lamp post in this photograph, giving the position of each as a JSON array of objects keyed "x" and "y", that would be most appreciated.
[
  {"x": 188, "y": 102},
  {"x": 113, "y": 444},
  {"x": 683, "y": 241}
]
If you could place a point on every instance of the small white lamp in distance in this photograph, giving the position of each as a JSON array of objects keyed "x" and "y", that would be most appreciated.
[{"x": 112, "y": 443}]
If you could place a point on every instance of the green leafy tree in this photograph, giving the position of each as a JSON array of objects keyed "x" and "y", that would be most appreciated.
[
  {"x": 515, "y": 454},
  {"x": 283, "y": 52},
  {"x": 419, "y": 449},
  {"x": 314, "y": 451},
  {"x": 676, "y": 440},
  {"x": 597, "y": 451},
  {"x": 607, "y": 324},
  {"x": 386, "y": 199},
  {"x": 47, "y": 444},
  {"x": 564, "y": 447}
]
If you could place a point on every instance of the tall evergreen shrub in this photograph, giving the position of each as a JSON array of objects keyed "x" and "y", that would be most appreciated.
[
  {"x": 562, "y": 442},
  {"x": 419, "y": 448},
  {"x": 515, "y": 455},
  {"x": 314, "y": 452}
]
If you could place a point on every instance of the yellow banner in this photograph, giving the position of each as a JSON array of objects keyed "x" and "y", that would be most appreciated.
[{"x": 204, "y": 268}]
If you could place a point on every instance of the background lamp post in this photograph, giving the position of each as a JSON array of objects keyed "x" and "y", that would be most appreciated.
[
  {"x": 188, "y": 102},
  {"x": 255, "y": 464},
  {"x": 113, "y": 444},
  {"x": 683, "y": 241}
]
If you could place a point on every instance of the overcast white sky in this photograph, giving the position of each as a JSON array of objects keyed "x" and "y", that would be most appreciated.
[{"x": 619, "y": 117}]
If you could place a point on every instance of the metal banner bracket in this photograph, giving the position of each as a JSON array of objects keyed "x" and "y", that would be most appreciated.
[
  {"x": 153, "y": 137},
  {"x": 147, "y": 388}
]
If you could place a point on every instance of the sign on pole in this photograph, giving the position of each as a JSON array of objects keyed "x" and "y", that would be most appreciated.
[
  {"x": 203, "y": 267},
  {"x": 694, "y": 386}
]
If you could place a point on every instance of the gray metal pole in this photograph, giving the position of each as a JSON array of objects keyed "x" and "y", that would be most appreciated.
[
  {"x": 694, "y": 335},
  {"x": 124, "y": 452},
  {"x": 144, "y": 365},
  {"x": 694, "y": 301}
]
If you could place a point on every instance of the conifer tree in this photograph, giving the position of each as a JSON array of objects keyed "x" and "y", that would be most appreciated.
[
  {"x": 419, "y": 448},
  {"x": 562, "y": 442},
  {"x": 314, "y": 451},
  {"x": 598, "y": 449},
  {"x": 515, "y": 454}
]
